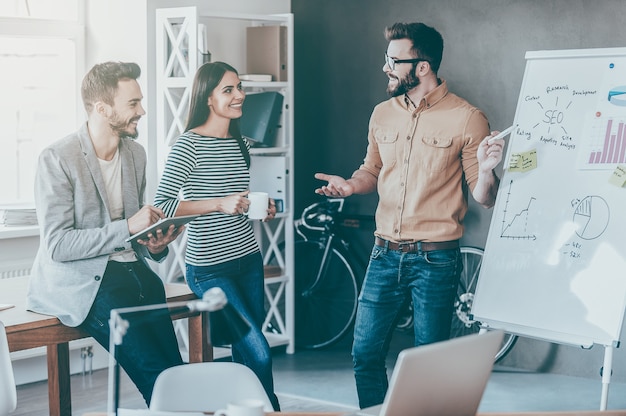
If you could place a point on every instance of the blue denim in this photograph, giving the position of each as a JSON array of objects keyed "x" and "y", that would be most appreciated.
[
  {"x": 392, "y": 279},
  {"x": 150, "y": 344},
  {"x": 242, "y": 282}
]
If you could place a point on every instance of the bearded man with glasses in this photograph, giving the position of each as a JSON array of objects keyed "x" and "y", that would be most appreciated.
[{"x": 426, "y": 149}]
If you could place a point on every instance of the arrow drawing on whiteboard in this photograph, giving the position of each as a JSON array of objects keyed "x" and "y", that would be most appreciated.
[{"x": 517, "y": 228}]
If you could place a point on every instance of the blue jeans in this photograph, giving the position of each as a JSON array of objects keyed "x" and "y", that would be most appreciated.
[
  {"x": 150, "y": 345},
  {"x": 392, "y": 279},
  {"x": 242, "y": 282}
]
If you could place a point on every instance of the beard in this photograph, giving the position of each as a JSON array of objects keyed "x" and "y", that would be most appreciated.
[
  {"x": 405, "y": 84},
  {"x": 122, "y": 127}
]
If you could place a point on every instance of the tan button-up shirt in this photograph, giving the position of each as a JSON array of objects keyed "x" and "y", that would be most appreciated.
[{"x": 424, "y": 159}]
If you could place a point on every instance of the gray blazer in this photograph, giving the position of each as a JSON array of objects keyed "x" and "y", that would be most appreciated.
[{"x": 76, "y": 232}]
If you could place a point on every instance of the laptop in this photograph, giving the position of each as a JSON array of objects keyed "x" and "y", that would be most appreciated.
[
  {"x": 146, "y": 412},
  {"x": 444, "y": 378}
]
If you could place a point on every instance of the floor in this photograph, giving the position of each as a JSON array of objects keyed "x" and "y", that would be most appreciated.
[
  {"x": 326, "y": 375},
  {"x": 322, "y": 380}
]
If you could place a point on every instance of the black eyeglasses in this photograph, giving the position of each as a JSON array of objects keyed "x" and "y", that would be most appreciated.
[{"x": 391, "y": 62}]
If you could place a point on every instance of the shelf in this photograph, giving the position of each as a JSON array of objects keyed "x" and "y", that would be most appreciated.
[
  {"x": 221, "y": 352},
  {"x": 274, "y": 165},
  {"x": 265, "y": 85},
  {"x": 279, "y": 18},
  {"x": 268, "y": 150},
  {"x": 276, "y": 279},
  {"x": 275, "y": 340},
  {"x": 18, "y": 231}
]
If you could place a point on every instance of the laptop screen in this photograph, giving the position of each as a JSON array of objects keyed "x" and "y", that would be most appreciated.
[{"x": 444, "y": 378}]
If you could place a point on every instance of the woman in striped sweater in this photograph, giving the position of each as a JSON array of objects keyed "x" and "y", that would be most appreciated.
[{"x": 208, "y": 166}]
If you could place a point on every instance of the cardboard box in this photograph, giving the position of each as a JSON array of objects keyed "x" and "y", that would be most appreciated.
[{"x": 267, "y": 51}]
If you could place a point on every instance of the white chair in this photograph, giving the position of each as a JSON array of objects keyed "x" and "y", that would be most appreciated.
[
  {"x": 206, "y": 387},
  {"x": 8, "y": 392}
]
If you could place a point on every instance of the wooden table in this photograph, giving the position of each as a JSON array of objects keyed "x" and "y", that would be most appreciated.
[
  {"x": 266, "y": 414},
  {"x": 565, "y": 413},
  {"x": 30, "y": 330}
]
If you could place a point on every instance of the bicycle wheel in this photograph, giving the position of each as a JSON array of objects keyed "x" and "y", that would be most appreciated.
[
  {"x": 462, "y": 323},
  {"x": 405, "y": 320},
  {"x": 324, "y": 309}
]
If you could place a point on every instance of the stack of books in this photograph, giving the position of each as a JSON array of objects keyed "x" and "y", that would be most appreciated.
[{"x": 18, "y": 214}]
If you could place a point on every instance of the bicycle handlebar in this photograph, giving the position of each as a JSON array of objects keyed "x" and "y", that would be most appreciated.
[{"x": 322, "y": 213}]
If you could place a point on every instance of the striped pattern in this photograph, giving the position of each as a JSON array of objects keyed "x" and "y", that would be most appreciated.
[{"x": 203, "y": 168}]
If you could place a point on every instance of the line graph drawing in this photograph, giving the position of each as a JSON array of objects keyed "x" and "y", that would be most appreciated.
[{"x": 517, "y": 227}]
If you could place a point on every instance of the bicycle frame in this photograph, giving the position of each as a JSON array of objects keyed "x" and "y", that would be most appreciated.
[
  {"x": 330, "y": 223},
  {"x": 326, "y": 282},
  {"x": 323, "y": 224},
  {"x": 327, "y": 234}
]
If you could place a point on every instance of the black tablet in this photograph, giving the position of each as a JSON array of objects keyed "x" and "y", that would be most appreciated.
[{"x": 163, "y": 224}]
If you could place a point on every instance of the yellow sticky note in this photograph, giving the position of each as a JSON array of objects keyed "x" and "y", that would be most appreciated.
[
  {"x": 618, "y": 177},
  {"x": 523, "y": 162}
]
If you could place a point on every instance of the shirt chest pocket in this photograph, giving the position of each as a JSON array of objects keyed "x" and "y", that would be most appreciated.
[
  {"x": 387, "y": 141},
  {"x": 436, "y": 153}
]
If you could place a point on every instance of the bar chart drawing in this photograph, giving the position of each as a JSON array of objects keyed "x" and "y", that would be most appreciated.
[{"x": 611, "y": 148}]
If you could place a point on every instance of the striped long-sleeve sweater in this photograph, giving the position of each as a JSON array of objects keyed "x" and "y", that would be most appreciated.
[{"x": 200, "y": 168}]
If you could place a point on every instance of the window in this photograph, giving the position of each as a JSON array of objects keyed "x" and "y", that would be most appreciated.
[
  {"x": 39, "y": 64},
  {"x": 41, "y": 9}
]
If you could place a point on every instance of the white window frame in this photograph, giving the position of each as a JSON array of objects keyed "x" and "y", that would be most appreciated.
[
  {"x": 55, "y": 29},
  {"x": 73, "y": 30}
]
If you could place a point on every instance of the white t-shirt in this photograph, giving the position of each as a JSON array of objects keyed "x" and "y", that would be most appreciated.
[{"x": 112, "y": 175}]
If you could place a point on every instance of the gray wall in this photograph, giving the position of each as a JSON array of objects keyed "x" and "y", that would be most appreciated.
[{"x": 338, "y": 65}]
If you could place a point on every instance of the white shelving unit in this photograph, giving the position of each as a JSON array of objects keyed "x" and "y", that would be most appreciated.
[{"x": 177, "y": 58}]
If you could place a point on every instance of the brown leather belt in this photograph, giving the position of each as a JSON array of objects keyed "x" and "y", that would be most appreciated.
[{"x": 417, "y": 246}]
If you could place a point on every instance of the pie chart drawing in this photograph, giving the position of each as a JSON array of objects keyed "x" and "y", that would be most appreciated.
[
  {"x": 591, "y": 217},
  {"x": 617, "y": 96}
]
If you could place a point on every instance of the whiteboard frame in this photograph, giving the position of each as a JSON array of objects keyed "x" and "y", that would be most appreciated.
[
  {"x": 550, "y": 334},
  {"x": 523, "y": 330},
  {"x": 575, "y": 53}
]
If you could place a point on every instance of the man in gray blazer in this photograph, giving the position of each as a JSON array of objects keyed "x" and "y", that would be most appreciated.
[{"x": 89, "y": 193}]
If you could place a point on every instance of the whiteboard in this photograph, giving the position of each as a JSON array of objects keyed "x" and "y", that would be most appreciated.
[{"x": 554, "y": 266}]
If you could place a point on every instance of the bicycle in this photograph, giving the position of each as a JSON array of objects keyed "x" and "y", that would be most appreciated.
[
  {"x": 327, "y": 274},
  {"x": 462, "y": 321},
  {"x": 327, "y": 280}
]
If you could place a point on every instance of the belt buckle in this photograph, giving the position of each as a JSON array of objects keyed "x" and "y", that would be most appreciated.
[{"x": 407, "y": 247}]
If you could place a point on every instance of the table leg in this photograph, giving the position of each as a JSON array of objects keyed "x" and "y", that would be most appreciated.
[
  {"x": 200, "y": 348},
  {"x": 59, "y": 392}
]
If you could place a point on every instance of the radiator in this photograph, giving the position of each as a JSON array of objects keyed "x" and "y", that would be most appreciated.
[{"x": 15, "y": 268}]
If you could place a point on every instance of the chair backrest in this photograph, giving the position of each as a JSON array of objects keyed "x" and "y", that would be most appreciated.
[
  {"x": 8, "y": 392},
  {"x": 206, "y": 387}
]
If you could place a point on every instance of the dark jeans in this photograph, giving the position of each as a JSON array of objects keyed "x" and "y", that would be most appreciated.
[
  {"x": 430, "y": 280},
  {"x": 150, "y": 345},
  {"x": 242, "y": 282}
]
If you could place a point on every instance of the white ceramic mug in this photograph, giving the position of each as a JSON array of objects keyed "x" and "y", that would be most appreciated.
[
  {"x": 246, "y": 407},
  {"x": 258, "y": 205}
]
